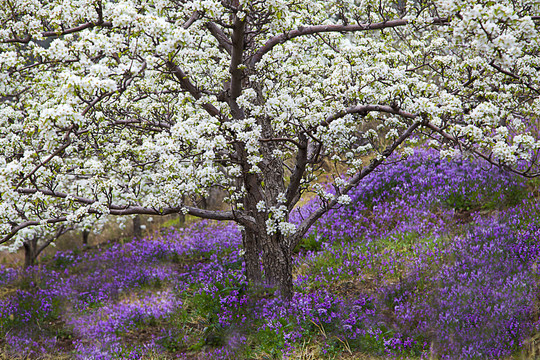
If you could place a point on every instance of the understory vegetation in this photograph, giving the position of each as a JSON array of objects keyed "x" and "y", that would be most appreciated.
[{"x": 433, "y": 258}]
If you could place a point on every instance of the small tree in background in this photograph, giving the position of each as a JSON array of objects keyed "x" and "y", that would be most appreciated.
[
  {"x": 37, "y": 242},
  {"x": 137, "y": 106}
]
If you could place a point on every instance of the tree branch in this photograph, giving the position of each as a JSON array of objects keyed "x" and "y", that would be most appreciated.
[
  {"x": 237, "y": 52},
  {"x": 238, "y": 216},
  {"x": 220, "y": 36},
  {"x": 505, "y": 72},
  {"x": 16, "y": 229},
  {"x": 487, "y": 158},
  {"x": 365, "y": 109},
  {"x": 310, "y": 220},
  {"x": 292, "y": 141},
  {"x": 194, "y": 17},
  {"x": 317, "y": 29},
  {"x": 57, "y": 152},
  {"x": 160, "y": 124},
  {"x": 508, "y": 73},
  {"x": 299, "y": 169},
  {"x": 133, "y": 210},
  {"x": 59, "y": 232},
  {"x": 88, "y": 25},
  {"x": 188, "y": 86}
]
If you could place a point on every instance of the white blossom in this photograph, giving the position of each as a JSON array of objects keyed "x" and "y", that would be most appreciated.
[
  {"x": 261, "y": 206},
  {"x": 344, "y": 200},
  {"x": 287, "y": 228}
]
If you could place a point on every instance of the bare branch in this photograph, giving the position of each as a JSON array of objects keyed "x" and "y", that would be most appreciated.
[
  {"x": 292, "y": 141},
  {"x": 140, "y": 210},
  {"x": 155, "y": 125},
  {"x": 297, "y": 173},
  {"x": 59, "y": 232}
]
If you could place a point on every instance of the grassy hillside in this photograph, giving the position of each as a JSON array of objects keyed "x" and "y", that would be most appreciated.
[{"x": 432, "y": 259}]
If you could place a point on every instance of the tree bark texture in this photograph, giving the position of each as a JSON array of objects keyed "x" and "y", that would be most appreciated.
[
  {"x": 251, "y": 257},
  {"x": 276, "y": 260},
  {"x": 137, "y": 233},
  {"x": 30, "y": 252},
  {"x": 85, "y": 237},
  {"x": 267, "y": 187},
  {"x": 277, "y": 265}
]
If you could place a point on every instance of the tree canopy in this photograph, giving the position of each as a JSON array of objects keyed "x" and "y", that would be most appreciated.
[{"x": 141, "y": 107}]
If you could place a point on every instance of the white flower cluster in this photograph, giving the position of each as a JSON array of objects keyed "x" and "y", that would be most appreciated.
[
  {"x": 450, "y": 153},
  {"x": 276, "y": 221},
  {"x": 344, "y": 199},
  {"x": 484, "y": 114},
  {"x": 261, "y": 206},
  {"x": 526, "y": 142},
  {"x": 505, "y": 153},
  {"x": 287, "y": 228}
]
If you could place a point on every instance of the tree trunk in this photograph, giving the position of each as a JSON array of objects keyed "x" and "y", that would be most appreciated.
[
  {"x": 137, "y": 233},
  {"x": 251, "y": 257},
  {"x": 30, "y": 252},
  {"x": 276, "y": 261},
  {"x": 85, "y": 237},
  {"x": 181, "y": 216},
  {"x": 181, "y": 219},
  {"x": 277, "y": 265}
]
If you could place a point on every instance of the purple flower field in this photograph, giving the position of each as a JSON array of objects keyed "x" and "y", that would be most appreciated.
[{"x": 432, "y": 259}]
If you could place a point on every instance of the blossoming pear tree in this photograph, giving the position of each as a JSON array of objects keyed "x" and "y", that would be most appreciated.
[{"x": 141, "y": 106}]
